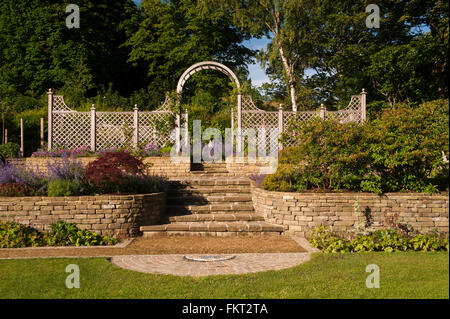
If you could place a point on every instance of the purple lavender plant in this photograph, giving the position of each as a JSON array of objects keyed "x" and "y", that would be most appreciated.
[
  {"x": 258, "y": 179},
  {"x": 14, "y": 173},
  {"x": 66, "y": 168},
  {"x": 151, "y": 149}
]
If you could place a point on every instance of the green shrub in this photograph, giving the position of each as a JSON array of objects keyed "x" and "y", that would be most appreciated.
[
  {"x": 64, "y": 187},
  {"x": 68, "y": 234},
  {"x": 327, "y": 155},
  {"x": 9, "y": 150},
  {"x": 14, "y": 235},
  {"x": 401, "y": 150},
  {"x": 405, "y": 146},
  {"x": 387, "y": 240}
]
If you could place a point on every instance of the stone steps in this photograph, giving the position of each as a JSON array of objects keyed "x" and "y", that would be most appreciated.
[
  {"x": 200, "y": 199},
  {"x": 210, "y": 208},
  {"x": 213, "y": 229},
  {"x": 216, "y": 217},
  {"x": 211, "y": 202}
]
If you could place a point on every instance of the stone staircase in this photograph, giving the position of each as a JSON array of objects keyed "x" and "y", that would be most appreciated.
[{"x": 210, "y": 202}]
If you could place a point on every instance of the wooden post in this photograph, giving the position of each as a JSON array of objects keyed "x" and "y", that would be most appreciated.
[
  {"x": 232, "y": 123},
  {"x": 280, "y": 126},
  {"x": 93, "y": 135},
  {"x": 322, "y": 111},
  {"x": 21, "y": 137},
  {"x": 186, "y": 128},
  {"x": 363, "y": 105},
  {"x": 136, "y": 126},
  {"x": 50, "y": 118},
  {"x": 239, "y": 123},
  {"x": 6, "y": 136},
  {"x": 177, "y": 133},
  {"x": 42, "y": 132}
]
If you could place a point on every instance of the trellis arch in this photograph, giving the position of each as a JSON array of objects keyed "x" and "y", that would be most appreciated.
[
  {"x": 207, "y": 65},
  {"x": 212, "y": 65}
]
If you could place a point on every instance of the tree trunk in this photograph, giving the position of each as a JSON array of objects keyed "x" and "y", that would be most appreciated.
[{"x": 291, "y": 80}]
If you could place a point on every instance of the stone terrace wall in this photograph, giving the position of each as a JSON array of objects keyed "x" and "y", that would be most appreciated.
[
  {"x": 160, "y": 165},
  {"x": 246, "y": 169},
  {"x": 112, "y": 215},
  {"x": 300, "y": 212}
]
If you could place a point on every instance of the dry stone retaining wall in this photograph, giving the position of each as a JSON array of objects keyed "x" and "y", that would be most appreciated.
[
  {"x": 112, "y": 215},
  {"x": 300, "y": 212},
  {"x": 162, "y": 166}
]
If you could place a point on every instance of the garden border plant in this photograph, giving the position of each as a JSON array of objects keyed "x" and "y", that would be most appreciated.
[
  {"x": 116, "y": 172},
  {"x": 399, "y": 151},
  {"x": 15, "y": 235}
]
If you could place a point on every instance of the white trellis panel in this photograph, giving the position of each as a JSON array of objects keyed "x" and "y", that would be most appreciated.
[
  {"x": 71, "y": 129},
  {"x": 113, "y": 129}
]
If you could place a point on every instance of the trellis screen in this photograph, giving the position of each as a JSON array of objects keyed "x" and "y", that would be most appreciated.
[
  {"x": 102, "y": 130},
  {"x": 253, "y": 117}
]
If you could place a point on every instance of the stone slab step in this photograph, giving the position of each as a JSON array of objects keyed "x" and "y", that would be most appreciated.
[
  {"x": 210, "y": 181},
  {"x": 216, "y": 218},
  {"x": 193, "y": 199},
  {"x": 211, "y": 208},
  {"x": 210, "y": 190},
  {"x": 213, "y": 229}
]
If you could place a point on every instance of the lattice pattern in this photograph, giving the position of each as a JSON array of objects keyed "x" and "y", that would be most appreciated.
[
  {"x": 71, "y": 129},
  {"x": 113, "y": 129},
  {"x": 248, "y": 104},
  {"x": 59, "y": 104},
  {"x": 156, "y": 127},
  {"x": 354, "y": 104},
  {"x": 345, "y": 116}
]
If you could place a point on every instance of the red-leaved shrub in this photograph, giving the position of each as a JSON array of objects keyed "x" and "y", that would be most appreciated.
[{"x": 111, "y": 169}]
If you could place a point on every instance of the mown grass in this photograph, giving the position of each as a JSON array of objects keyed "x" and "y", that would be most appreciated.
[{"x": 402, "y": 275}]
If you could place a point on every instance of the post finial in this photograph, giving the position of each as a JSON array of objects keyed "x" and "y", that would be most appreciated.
[
  {"x": 363, "y": 91},
  {"x": 49, "y": 91},
  {"x": 135, "y": 107},
  {"x": 93, "y": 107},
  {"x": 280, "y": 107}
]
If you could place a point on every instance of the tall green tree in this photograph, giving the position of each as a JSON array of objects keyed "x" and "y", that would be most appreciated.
[
  {"x": 176, "y": 34},
  {"x": 277, "y": 20},
  {"x": 38, "y": 51}
]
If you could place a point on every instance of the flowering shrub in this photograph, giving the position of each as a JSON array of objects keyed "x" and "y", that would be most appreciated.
[
  {"x": 11, "y": 173},
  {"x": 113, "y": 172},
  {"x": 18, "y": 190},
  {"x": 65, "y": 169},
  {"x": 151, "y": 149},
  {"x": 81, "y": 151}
]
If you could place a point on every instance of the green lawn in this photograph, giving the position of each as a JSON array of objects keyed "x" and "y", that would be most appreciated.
[{"x": 402, "y": 275}]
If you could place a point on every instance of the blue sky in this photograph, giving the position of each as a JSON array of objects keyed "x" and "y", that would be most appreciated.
[{"x": 257, "y": 74}]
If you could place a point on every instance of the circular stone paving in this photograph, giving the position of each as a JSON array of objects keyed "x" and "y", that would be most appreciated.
[{"x": 180, "y": 266}]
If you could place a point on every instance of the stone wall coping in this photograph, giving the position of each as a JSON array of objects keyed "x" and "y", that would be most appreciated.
[
  {"x": 76, "y": 198},
  {"x": 351, "y": 194}
]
